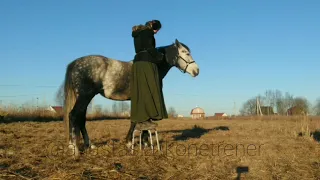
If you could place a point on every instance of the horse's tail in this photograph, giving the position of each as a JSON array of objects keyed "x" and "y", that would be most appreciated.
[{"x": 69, "y": 100}]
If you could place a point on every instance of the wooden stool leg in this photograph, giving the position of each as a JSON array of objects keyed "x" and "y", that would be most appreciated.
[
  {"x": 132, "y": 144},
  {"x": 151, "y": 142},
  {"x": 156, "y": 132},
  {"x": 140, "y": 140}
]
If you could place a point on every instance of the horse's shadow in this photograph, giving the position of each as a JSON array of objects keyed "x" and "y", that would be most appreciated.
[
  {"x": 241, "y": 170},
  {"x": 316, "y": 135},
  {"x": 107, "y": 142},
  {"x": 195, "y": 132}
]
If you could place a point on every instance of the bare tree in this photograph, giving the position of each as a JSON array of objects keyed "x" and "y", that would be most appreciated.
[
  {"x": 120, "y": 107},
  {"x": 60, "y": 96},
  {"x": 90, "y": 107},
  {"x": 249, "y": 107},
  {"x": 172, "y": 112},
  {"x": 115, "y": 109},
  {"x": 281, "y": 109},
  {"x": 316, "y": 108},
  {"x": 274, "y": 99},
  {"x": 106, "y": 111},
  {"x": 277, "y": 101},
  {"x": 59, "y": 99},
  {"x": 124, "y": 106},
  {"x": 288, "y": 101},
  {"x": 302, "y": 104},
  {"x": 98, "y": 109},
  {"x": 268, "y": 97}
]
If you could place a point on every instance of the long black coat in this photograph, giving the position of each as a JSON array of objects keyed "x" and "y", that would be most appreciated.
[
  {"x": 147, "y": 100},
  {"x": 145, "y": 46}
]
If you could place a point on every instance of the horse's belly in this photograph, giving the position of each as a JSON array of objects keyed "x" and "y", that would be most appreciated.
[{"x": 114, "y": 92}]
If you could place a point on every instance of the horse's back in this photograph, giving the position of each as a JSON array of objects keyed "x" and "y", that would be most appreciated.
[
  {"x": 92, "y": 70},
  {"x": 92, "y": 61}
]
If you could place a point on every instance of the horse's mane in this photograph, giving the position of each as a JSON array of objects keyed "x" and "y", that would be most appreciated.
[{"x": 162, "y": 48}]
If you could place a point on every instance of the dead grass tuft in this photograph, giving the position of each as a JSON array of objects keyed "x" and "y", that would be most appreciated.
[{"x": 15, "y": 114}]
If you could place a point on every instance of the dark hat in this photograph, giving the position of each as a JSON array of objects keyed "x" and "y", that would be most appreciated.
[{"x": 156, "y": 24}]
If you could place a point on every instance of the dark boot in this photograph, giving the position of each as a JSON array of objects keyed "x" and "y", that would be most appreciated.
[
  {"x": 146, "y": 125},
  {"x": 145, "y": 138}
]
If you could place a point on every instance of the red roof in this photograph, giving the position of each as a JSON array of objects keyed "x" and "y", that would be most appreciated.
[
  {"x": 58, "y": 109},
  {"x": 218, "y": 114}
]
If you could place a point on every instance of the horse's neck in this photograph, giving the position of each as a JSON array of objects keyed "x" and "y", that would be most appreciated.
[
  {"x": 165, "y": 67},
  {"x": 163, "y": 71}
]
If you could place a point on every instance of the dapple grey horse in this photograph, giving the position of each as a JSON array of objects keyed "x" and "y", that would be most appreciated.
[{"x": 90, "y": 75}]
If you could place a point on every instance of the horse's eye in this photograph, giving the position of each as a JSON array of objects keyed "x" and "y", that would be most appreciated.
[{"x": 188, "y": 54}]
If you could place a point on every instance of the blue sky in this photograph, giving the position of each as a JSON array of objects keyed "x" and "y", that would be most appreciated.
[{"x": 241, "y": 47}]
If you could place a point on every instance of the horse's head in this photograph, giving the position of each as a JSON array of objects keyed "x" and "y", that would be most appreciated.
[{"x": 179, "y": 55}]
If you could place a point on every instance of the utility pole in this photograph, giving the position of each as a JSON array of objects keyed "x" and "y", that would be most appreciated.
[
  {"x": 37, "y": 103},
  {"x": 44, "y": 100},
  {"x": 92, "y": 105},
  {"x": 258, "y": 108},
  {"x": 234, "y": 108}
]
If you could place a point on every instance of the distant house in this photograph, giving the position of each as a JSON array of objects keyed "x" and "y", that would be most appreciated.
[
  {"x": 267, "y": 110},
  {"x": 220, "y": 115},
  {"x": 180, "y": 116},
  {"x": 125, "y": 114},
  {"x": 197, "y": 113},
  {"x": 295, "y": 110},
  {"x": 55, "y": 109}
]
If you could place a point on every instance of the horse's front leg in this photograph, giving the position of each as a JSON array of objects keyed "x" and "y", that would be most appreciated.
[{"x": 130, "y": 134}]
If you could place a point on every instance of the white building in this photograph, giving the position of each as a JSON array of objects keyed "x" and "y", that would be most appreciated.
[{"x": 197, "y": 113}]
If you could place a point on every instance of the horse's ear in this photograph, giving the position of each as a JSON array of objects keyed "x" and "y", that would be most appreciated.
[{"x": 177, "y": 43}]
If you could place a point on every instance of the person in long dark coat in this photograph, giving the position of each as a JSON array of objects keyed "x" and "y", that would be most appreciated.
[{"x": 147, "y": 102}]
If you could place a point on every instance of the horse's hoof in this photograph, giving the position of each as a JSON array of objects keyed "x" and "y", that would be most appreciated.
[
  {"x": 71, "y": 146},
  {"x": 93, "y": 146},
  {"x": 146, "y": 145},
  {"x": 76, "y": 157},
  {"x": 129, "y": 145},
  {"x": 74, "y": 151},
  {"x": 76, "y": 154}
]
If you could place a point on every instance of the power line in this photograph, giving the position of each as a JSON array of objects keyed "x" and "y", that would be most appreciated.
[
  {"x": 20, "y": 95},
  {"x": 17, "y": 85},
  {"x": 55, "y": 86},
  {"x": 184, "y": 94}
]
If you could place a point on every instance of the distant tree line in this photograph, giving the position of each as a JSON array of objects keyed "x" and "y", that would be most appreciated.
[
  {"x": 119, "y": 108},
  {"x": 275, "y": 101}
]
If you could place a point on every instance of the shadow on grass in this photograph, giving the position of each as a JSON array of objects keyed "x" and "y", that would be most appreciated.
[
  {"x": 195, "y": 132},
  {"x": 316, "y": 135},
  {"x": 15, "y": 119},
  {"x": 241, "y": 170},
  {"x": 106, "y": 143}
]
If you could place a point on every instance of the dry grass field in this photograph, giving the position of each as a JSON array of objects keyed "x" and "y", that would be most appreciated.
[{"x": 241, "y": 148}]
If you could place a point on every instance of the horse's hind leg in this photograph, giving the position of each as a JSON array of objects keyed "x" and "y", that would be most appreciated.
[
  {"x": 78, "y": 117},
  {"x": 75, "y": 132},
  {"x": 87, "y": 142}
]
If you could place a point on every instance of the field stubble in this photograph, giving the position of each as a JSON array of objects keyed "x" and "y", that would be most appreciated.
[{"x": 253, "y": 148}]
